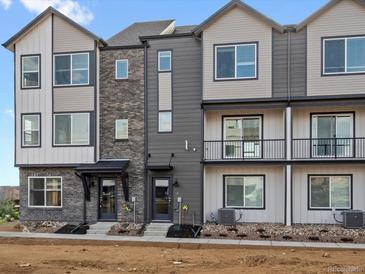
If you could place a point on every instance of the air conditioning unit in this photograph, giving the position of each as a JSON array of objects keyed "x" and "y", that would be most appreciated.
[
  {"x": 353, "y": 219},
  {"x": 226, "y": 216}
]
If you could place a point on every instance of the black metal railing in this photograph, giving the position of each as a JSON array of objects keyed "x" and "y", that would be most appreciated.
[
  {"x": 332, "y": 148},
  {"x": 273, "y": 149}
]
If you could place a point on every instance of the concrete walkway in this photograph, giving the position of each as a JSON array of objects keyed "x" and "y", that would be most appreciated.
[{"x": 161, "y": 240}]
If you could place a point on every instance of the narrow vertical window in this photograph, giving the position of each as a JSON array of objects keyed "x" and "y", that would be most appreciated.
[
  {"x": 121, "y": 129},
  {"x": 31, "y": 130},
  {"x": 30, "y": 71},
  {"x": 121, "y": 69},
  {"x": 164, "y": 61},
  {"x": 165, "y": 121}
]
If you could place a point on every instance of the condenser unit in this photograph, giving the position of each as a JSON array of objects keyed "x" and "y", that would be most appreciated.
[
  {"x": 353, "y": 219},
  {"x": 226, "y": 216}
]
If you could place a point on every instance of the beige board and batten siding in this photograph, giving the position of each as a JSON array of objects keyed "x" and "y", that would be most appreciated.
[
  {"x": 164, "y": 91},
  {"x": 39, "y": 41},
  {"x": 274, "y": 192},
  {"x": 345, "y": 18},
  {"x": 235, "y": 27},
  {"x": 74, "y": 99},
  {"x": 68, "y": 38},
  {"x": 301, "y": 214}
]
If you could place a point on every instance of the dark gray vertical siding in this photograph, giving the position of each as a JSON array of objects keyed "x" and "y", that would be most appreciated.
[
  {"x": 186, "y": 112},
  {"x": 298, "y": 51}
]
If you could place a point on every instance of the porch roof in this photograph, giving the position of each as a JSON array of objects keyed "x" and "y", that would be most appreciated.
[{"x": 104, "y": 166}]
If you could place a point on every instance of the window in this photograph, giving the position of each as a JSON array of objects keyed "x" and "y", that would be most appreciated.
[
  {"x": 326, "y": 192},
  {"x": 71, "y": 129},
  {"x": 236, "y": 61},
  {"x": 72, "y": 69},
  {"x": 31, "y": 127},
  {"x": 164, "y": 61},
  {"x": 31, "y": 71},
  {"x": 121, "y": 69},
  {"x": 44, "y": 191},
  {"x": 244, "y": 191},
  {"x": 121, "y": 129},
  {"x": 164, "y": 121},
  {"x": 344, "y": 55}
]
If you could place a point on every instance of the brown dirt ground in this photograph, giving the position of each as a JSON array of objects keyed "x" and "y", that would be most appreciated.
[
  {"x": 11, "y": 227},
  {"x": 75, "y": 256}
]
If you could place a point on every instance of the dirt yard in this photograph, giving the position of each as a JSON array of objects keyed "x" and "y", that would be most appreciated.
[{"x": 67, "y": 256}]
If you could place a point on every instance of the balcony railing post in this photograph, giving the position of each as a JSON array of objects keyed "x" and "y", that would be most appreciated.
[{"x": 243, "y": 149}]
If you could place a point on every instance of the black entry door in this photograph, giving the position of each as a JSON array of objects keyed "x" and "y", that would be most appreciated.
[
  {"x": 107, "y": 199},
  {"x": 162, "y": 199}
]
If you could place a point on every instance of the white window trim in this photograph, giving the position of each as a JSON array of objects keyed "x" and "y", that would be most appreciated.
[
  {"x": 54, "y": 129},
  {"x": 30, "y": 71},
  {"x": 159, "y": 124},
  {"x": 45, "y": 191},
  {"x": 116, "y": 69},
  {"x": 330, "y": 195},
  {"x": 159, "y": 53},
  {"x": 235, "y": 62},
  {"x": 324, "y": 56},
  {"x": 244, "y": 190},
  {"x": 38, "y": 129},
  {"x": 116, "y": 131},
  {"x": 71, "y": 69}
]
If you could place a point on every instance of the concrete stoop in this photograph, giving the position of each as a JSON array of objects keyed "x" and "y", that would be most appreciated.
[
  {"x": 100, "y": 228},
  {"x": 157, "y": 229}
]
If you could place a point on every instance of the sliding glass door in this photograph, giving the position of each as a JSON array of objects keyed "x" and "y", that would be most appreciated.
[
  {"x": 242, "y": 137},
  {"x": 332, "y": 135}
]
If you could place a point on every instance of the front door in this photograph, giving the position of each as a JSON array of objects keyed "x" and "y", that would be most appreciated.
[
  {"x": 161, "y": 199},
  {"x": 107, "y": 200}
]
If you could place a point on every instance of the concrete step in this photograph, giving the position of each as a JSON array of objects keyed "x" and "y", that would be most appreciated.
[
  {"x": 103, "y": 232},
  {"x": 100, "y": 228},
  {"x": 155, "y": 233},
  {"x": 157, "y": 229}
]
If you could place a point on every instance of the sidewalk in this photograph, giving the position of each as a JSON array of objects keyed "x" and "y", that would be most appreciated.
[{"x": 154, "y": 239}]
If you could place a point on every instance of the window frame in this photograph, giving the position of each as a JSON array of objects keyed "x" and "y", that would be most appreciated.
[
  {"x": 70, "y": 145},
  {"x": 39, "y": 129},
  {"x": 263, "y": 207},
  {"x": 71, "y": 69},
  {"x": 235, "y": 45},
  {"x": 116, "y": 136},
  {"x": 158, "y": 60},
  {"x": 116, "y": 69},
  {"x": 350, "y": 176},
  {"x": 158, "y": 121},
  {"x": 45, "y": 191},
  {"x": 323, "y": 61},
  {"x": 22, "y": 71}
]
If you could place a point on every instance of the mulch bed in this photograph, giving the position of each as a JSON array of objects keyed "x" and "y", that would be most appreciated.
[
  {"x": 73, "y": 229},
  {"x": 279, "y": 232},
  {"x": 127, "y": 229},
  {"x": 183, "y": 231}
]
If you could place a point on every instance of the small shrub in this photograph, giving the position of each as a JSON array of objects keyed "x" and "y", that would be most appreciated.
[{"x": 8, "y": 213}]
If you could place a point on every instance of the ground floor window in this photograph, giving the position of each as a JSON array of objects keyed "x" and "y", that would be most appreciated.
[
  {"x": 244, "y": 191},
  {"x": 326, "y": 192},
  {"x": 45, "y": 191}
]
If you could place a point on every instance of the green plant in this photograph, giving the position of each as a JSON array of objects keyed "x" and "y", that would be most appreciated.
[{"x": 8, "y": 213}]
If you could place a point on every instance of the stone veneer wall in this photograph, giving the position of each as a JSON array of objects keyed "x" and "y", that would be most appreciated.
[{"x": 124, "y": 99}]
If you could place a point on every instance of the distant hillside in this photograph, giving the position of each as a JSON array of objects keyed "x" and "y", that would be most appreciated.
[{"x": 9, "y": 192}]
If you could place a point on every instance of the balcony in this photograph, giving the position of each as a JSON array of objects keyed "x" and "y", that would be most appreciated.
[
  {"x": 244, "y": 150},
  {"x": 328, "y": 148}
]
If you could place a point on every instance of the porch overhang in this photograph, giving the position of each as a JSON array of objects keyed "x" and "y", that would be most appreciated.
[{"x": 160, "y": 167}]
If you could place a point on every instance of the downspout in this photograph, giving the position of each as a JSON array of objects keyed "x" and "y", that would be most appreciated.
[
  {"x": 289, "y": 65},
  {"x": 146, "y": 189}
]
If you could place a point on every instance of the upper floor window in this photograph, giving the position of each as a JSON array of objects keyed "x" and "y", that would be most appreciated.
[
  {"x": 30, "y": 71},
  {"x": 31, "y": 127},
  {"x": 236, "y": 61},
  {"x": 344, "y": 55},
  {"x": 44, "y": 191},
  {"x": 121, "y": 129},
  {"x": 165, "y": 121},
  {"x": 121, "y": 69},
  {"x": 71, "y": 69},
  {"x": 164, "y": 61},
  {"x": 71, "y": 129}
]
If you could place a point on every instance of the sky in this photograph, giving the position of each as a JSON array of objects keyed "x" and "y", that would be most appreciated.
[{"x": 105, "y": 18}]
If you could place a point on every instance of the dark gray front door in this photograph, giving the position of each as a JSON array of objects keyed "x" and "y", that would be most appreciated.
[
  {"x": 162, "y": 199},
  {"x": 107, "y": 199}
]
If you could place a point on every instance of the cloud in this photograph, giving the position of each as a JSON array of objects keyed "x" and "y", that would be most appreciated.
[
  {"x": 6, "y": 3},
  {"x": 10, "y": 112},
  {"x": 70, "y": 8}
]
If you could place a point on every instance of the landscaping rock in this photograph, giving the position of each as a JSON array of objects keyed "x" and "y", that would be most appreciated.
[{"x": 127, "y": 229}]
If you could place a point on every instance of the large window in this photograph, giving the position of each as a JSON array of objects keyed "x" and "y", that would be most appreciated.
[
  {"x": 121, "y": 129},
  {"x": 30, "y": 71},
  {"x": 121, "y": 69},
  {"x": 164, "y": 121},
  {"x": 344, "y": 55},
  {"x": 236, "y": 61},
  {"x": 326, "y": 192},
  {"x": 44, "y": 191},
  {"x": 31, "y": 130},
  {"x": 244, "y": 191},
  {"x": 71, "y": 129},
  {"x": 71, "y": 69},
  {"x": 164, "y": 61}
]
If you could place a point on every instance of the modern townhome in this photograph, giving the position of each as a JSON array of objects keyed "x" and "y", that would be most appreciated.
[{"x": 238, "y": 112}]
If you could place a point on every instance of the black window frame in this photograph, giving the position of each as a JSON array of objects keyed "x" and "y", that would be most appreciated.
[
  {"x": 22, "y": 115},
  {"x": 39, "y": 86}
]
